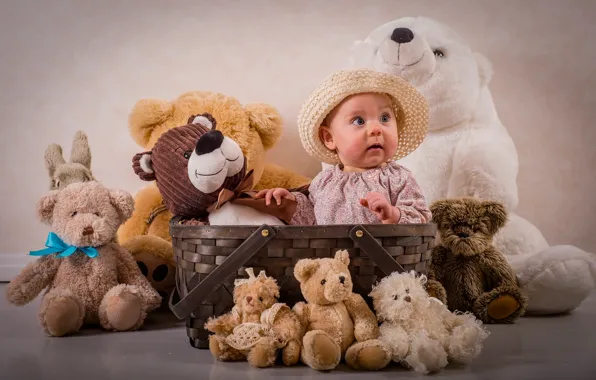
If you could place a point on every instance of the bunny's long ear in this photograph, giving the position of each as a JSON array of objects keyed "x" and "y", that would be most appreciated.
[
  {"x": 81, "y": 153},
  {"x": 53, "y": 158}
]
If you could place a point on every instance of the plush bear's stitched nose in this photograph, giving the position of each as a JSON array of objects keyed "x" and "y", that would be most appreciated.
[
  {"x": 87, "y": 231},
  {"x": 248, "y": 299},
  {"x": 342, "y": 279},
  {"x": 407, "y": 299},
  {"x": 402, "y": 35},
  {"x": 209, "y": 142},
  {"x": 463, "y": 235}
]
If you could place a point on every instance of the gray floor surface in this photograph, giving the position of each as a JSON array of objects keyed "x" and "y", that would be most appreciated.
[{"x": 561, "y": 347}]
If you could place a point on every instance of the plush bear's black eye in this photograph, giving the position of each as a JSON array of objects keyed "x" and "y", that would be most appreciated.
[
  {"x": 395, "y": 297},
  {"x": 323, "y": 282},
  {"x": 438, "y": 53},
  {"x": 96, "y": 213},
  {"x": 407, "y": 290},
  {"x": 73, "y": 213},
  {"x": 260, "y": 299},
  {"x": 187, "y": 154}
]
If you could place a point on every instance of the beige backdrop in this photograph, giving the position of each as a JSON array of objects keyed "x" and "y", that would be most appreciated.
[{"x": 67, "y": 65}]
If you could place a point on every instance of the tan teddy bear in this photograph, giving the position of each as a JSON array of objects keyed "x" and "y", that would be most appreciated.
[
  {"x": 339, "y": 324},
  {"x": 89, "y": 278},
  {"x": 255, "y": 127},
  {"x": 257, "y": 326}
]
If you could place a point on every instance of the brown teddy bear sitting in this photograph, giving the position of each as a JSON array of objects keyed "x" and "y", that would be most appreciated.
[
  {"x": 257, "y": 326},
  {"x": 475, "y": 276},
  {"x": 338, "y": 322},
  {"x": 90, "y": 279},
  {"x": 256, "y": 127},
  {"x": 201, "y": 174}
]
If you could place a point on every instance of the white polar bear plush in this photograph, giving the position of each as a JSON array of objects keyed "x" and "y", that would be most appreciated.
[{"x": 468, "y": 152}]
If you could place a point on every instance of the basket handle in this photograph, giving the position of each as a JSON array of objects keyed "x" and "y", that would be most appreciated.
[
  {"x": 233, "y": 263},
  {"x": 374, "y": 250}
]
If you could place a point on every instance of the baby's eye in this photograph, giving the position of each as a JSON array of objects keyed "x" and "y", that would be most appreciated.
[
  {"x": 385, "y": 118},
  {"x": 358, "y": 121},
  {"x": 395, "y": 297}
]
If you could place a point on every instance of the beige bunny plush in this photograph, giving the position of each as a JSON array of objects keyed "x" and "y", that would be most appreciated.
[{"x": 78, "y": 169}]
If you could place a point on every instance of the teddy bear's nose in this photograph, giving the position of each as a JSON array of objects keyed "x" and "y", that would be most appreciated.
[
  {"x": 248, "y": 298},
  {"x": 209, "y": 142},
  {"x": 402, "y": 35},
  {"x": 407, "y": 299},
  {"x": 463, "y": 235},
  {"x": 87, "y": 231},
  {"x": 342, "y": 279}
]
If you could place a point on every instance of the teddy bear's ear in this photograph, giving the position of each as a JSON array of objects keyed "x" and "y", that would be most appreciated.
[
  {"x": 145, "y": 116},
  {"x": 267, "y": 121},
  {"x": 205, "y": 119},
  {"x": 343, "y": 256},
  {"x": 439, "y": 211},
  {"x": 123, "y": 202},
  {"x": 45, "y": 207},
  {"x": 485, "y": 68},
  {"x": 422, "y": 279},
  {"x": 376, "y": 291},
  {"x": 304, "y": 268},
  {"x": 142, "y": 165},
  {"x": 496, "y": 214},
  {"x": 271, "y": 284}
]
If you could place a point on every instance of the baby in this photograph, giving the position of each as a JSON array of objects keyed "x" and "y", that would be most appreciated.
[{"x": 360, "y": 121}]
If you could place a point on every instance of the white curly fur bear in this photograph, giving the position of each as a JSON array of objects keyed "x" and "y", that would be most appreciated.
[
  {"x": 468, "y": 152},
  {"x": 421, "y": 332}
]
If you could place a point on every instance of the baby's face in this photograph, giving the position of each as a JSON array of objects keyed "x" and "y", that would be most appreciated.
[{"x": 363, "y": 130}]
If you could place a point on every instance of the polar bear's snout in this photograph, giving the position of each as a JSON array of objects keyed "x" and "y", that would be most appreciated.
[{"x": 402, "y": 35}]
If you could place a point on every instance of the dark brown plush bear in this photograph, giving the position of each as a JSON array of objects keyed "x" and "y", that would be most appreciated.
[{"x": 476, "y": 277}]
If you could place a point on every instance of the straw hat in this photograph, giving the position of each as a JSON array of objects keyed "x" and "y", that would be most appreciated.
[{"x": 410, "y": 106}]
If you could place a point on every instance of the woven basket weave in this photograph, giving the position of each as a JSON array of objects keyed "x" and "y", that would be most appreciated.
[{"x": 210, "y": 258}]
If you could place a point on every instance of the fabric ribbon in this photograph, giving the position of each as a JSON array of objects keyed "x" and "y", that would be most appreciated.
[
  {"x": 245, "y": 196},
  {"x": 226, "y": 195},
  {"x": 55, "y": 245}
]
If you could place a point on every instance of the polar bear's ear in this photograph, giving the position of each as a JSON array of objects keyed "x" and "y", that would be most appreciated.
[
  {"x": 362, "y": 53},
  {"x": 485, "y": 68}
]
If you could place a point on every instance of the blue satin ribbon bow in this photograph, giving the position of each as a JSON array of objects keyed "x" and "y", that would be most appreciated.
[{"x": 55, "y": 245}]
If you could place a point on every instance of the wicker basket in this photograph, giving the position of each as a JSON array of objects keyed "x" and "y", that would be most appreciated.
[{"x": 210, "y": 258}]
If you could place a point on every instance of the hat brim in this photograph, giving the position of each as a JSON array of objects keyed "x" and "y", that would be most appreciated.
[{"x": 410, "y": 106}]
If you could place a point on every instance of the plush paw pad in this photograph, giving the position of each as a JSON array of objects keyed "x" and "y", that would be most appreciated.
[
  {"x": 320, "y": 352},
  {"x": 124, "y": 311},
  {"x": 62, "y": 316},
  {"x": 502, "y": 307}
]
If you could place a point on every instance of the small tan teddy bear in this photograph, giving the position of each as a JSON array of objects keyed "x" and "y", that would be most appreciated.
[
  {"x": 89, "y": 278},
  {"x": 474, "y": 274},
  {"x": 420, "y": 330},
  {"x": 257, "y": 326},
  {"x": 339, "y": 324}
]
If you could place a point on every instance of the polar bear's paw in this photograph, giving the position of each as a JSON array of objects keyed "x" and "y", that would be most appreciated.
[{"x": 562, "y": 278}]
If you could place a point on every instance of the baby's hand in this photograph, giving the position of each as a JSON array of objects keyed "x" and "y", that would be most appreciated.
[
  {"x": 277, "y": 193},
  {"x": 377, "y": 203}
]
